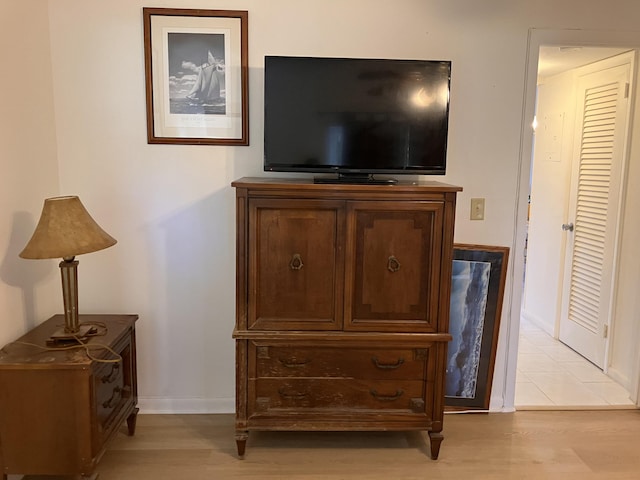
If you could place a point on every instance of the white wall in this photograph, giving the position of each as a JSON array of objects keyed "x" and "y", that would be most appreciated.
[
  {"x": 551, "y": 176},
  {"x": 171, "y": 207},
  {"x": 29, "y": 290},
  {"x": 624, "y": 358}
]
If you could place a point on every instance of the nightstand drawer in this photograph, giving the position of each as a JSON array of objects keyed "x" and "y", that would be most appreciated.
[
  {"x": 110, "y": 391},
  {"x": 339, "y": 362},
  {"x": 113, "y": 388},
  {"x": 336, "y": 394}
]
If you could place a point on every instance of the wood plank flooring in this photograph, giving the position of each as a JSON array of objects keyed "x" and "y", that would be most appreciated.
[{"x": 537, "y": 445}]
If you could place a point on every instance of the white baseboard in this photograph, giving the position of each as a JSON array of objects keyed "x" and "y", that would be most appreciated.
[
  {"x": 619, "y": 378},
  {"x": 157, "y": 405},
  {"x": 538, "y": 322},
  {"x": 178, "y": 406}
]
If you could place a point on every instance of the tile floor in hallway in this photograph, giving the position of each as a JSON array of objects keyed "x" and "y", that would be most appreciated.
[{"x": 550, "y": 375}]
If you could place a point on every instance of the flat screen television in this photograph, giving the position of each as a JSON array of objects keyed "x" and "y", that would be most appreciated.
[{"x": 356, "y": 117}]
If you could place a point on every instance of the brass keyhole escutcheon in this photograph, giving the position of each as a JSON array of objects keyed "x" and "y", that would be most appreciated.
[
  {"x": 296, "y": 262},
  {"x": 393, "y": 265}
]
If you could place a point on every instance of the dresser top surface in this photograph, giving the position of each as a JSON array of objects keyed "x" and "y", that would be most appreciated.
[{"x": 403, "y": 186}]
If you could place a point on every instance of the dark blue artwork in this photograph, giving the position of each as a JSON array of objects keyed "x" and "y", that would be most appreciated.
[{"x": 469, "y": 291}]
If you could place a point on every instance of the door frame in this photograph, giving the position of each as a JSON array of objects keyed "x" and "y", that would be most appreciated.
[{"x": 536, "y": 39}]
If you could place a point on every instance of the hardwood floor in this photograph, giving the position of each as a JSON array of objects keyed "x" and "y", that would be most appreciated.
[{"x": 524, "y": 445}]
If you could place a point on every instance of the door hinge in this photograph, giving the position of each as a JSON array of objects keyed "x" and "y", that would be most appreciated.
[
  {"x": 626, "y": 90},
  {"x": 605, "y": 332}
]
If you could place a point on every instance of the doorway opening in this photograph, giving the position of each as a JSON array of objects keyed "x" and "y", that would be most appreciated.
[{"x": 550, "y": 374}]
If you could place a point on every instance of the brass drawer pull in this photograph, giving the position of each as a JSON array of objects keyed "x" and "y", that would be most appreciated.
[
  {"x": 386, "y": 398},
  {"x": 393, "y": 265},
  {"x": 296, "y": 262},
  {"x": 284, "y": 394},
  {"x": 112, "y": 377},
  {"x": 293, "y": 363},
  {"x": 112, "y": 401},
  {"x": 387, "y": 366},
  {"x": 118, "y": 393}
]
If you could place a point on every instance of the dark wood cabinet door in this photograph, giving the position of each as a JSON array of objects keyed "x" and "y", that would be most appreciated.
[
  {"x": 393, "y": 266},
  {"x": 296, "y": 264}
]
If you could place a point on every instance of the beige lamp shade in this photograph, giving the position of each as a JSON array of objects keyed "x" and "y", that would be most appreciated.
[{"x": 65, "y": 230}]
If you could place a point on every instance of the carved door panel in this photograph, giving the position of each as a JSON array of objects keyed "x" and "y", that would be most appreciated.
[
  {"x": 296, "y": 264},
  {"x": 393, "y": 266}
]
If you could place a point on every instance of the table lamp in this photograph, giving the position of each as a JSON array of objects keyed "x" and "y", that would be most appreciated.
[{"x": 66, "y": 229}]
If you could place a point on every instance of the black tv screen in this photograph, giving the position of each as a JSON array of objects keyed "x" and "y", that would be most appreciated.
[{"x": 356, "y": 116}]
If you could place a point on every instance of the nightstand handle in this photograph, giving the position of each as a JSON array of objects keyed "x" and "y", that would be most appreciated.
[
  {"x": 112, "y": 377},
  {"x": 118, "y": 393},
  {"x": 110, "y": 403}
]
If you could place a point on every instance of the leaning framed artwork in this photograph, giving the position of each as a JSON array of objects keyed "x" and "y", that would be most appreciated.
[
  {"x": 477, "y": 290},
  {"x": 196, "y": 76}
]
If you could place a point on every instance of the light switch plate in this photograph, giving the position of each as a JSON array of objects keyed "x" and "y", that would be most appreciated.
[{"x": 477, "y": 209}]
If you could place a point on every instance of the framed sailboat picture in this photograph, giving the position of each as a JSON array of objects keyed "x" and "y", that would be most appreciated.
[
  {"x": 477, "y": 290},
  {"x": 196, "y": 76}
]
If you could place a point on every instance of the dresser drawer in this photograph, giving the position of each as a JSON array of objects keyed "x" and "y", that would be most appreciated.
[
  {"x": 313, "y": 394},
  {"x": 337, "y": 361}
]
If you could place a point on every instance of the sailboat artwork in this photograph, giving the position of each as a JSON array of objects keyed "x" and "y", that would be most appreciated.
[
  {"x": 206, "y": 90},
  {"x": 197, "y": 74},
  {"x": 196, "y": 70}
]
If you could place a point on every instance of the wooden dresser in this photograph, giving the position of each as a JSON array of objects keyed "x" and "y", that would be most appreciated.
[
  {"x": 59, "y": 408},
  {"x": 342, "y": 306}
]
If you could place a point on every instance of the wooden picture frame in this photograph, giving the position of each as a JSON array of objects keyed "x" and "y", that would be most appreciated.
[
  {"x": 477, "y": 290},
  {"x": 196, "y": 76}
]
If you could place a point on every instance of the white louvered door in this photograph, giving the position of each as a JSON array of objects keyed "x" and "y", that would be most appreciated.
[{"x": 592, "y": 227}]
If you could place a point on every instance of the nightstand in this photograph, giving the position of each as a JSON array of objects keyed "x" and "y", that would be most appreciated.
[{"x": 59, "y": 408}]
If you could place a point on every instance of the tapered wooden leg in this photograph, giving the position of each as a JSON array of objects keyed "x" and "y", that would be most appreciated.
[
  {"x": 131, "y": 422},
  {"x": 436, "y": 439},
  {"x": 241, "y": 442}
]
